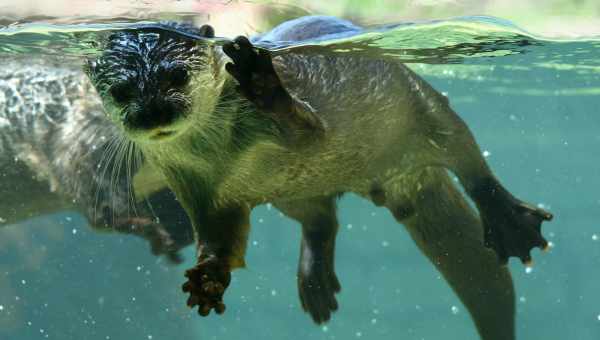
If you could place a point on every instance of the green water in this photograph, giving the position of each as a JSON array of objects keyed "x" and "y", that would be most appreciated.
[{"x": 533, "y": 110}]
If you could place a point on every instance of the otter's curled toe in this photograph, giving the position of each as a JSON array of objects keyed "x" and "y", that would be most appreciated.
[
  {"x": 206, "y": 284},
  {"x": 317, "y": 286},
  {"x": 512, "y": 227},
  {"x": 258, "y": 82}
]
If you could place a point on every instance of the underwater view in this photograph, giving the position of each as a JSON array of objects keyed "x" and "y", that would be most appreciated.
[{"x": 344, "y": 170}]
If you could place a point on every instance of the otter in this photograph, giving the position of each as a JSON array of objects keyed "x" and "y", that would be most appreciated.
[
  {"x": 57, "y": 153},
  {"x": 236, "y": 126}
]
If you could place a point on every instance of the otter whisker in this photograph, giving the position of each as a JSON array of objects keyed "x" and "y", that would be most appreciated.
[
  {"x": 115, "y": 175},
  {"x": 129, "y": 179},
  {"x": 105, "y": 161},
  {"x": 113, "y": 184}
]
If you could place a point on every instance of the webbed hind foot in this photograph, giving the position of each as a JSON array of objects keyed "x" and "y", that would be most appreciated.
[{"x": 511, "y": 227}]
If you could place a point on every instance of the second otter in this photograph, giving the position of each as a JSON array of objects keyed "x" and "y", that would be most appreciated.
[{"x": 379, "y": 131}]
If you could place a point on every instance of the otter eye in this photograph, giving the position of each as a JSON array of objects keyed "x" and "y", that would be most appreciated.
[
  {"x": 179, "y": 76},
  {"x": 121, "y": 92}
]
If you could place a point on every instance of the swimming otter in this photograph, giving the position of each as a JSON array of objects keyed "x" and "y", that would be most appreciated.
[
  {"x": 385, "y": 137},
  {"x": 56, "y": 154}
]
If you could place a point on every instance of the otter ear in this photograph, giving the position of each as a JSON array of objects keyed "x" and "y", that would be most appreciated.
[{"x": 207, "y": 31}]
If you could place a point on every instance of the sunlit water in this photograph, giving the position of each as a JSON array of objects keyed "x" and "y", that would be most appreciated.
[{"x": 532, "y": 104}]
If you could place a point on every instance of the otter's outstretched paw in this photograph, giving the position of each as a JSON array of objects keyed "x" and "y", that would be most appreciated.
[
  {"x": 161, "y": 242},
  {"x": 513, "y": 227},
  {"x": 206, "y": 284},
  {"x": 258, "y": 82},
  {"x": 317, "y": 287}
]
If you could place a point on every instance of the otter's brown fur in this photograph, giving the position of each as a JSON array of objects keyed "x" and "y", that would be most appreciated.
[{"x": 386, "y": 135}]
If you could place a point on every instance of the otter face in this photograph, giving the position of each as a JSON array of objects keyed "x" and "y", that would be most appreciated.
[{"x": 151, "y": 82}]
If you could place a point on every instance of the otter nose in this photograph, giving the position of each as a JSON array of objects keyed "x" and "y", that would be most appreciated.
[{"x": 152, "y": 114}]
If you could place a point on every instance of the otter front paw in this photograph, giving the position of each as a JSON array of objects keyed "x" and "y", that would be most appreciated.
[
  {"x": 206, "y": 284},
  {"x": 258, "y": 82},
  {"x": 317, "y": 287},
  {"x": 161, "y": 241},
  {"x": 512, "y": 227}
]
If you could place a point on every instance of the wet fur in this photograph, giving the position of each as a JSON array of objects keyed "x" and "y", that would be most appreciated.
[{"x": 385, "y": 133}]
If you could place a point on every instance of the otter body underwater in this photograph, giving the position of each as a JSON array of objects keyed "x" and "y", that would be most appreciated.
[{"x": 339, "y": 123}]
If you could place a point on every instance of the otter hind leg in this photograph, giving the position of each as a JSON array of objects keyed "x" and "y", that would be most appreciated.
[
  {"x": 317, "y": 281},
  {"x": 448, "y": 232},
  {"x": 511, "y": 226}
]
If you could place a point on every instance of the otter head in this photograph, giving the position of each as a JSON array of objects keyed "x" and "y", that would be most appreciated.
[{"x": 154, "y": 83}]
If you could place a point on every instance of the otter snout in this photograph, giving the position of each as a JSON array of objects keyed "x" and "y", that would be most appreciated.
[
  {"x": 156, "y": 113},
  {"x": 145, "y": 80},
  {"x": 154, "y": 118}
]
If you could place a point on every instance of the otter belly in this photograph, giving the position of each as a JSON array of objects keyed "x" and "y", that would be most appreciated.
[
  {"x": 267, "y": 172},
  {"x": 291, "y": 179}
]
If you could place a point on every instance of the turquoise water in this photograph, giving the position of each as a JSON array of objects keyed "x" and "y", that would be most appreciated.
[{"x": 533, "y": 110}]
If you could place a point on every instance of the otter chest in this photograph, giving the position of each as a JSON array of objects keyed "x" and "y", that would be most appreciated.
[{"x": 267, "y": 172}]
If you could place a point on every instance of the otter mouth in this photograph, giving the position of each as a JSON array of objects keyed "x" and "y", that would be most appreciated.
[{"x": 161, "y": 134}]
